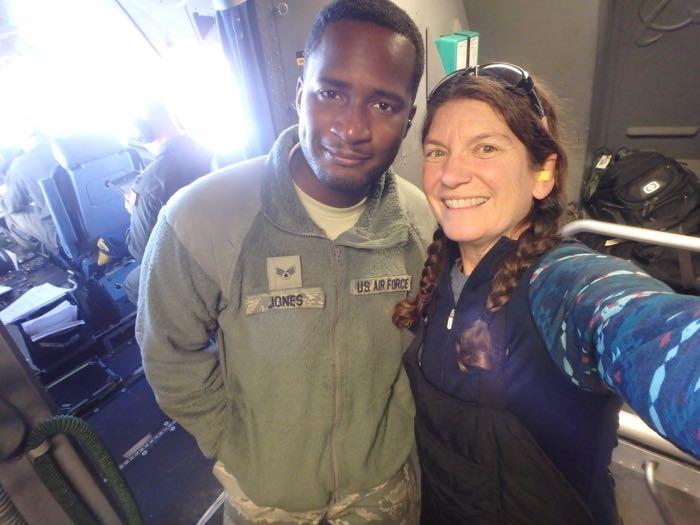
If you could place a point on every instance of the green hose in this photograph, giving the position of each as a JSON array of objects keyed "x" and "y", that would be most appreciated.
[
  {"x": 60, "y": 487},
  {"x": 9, "y": 515}
]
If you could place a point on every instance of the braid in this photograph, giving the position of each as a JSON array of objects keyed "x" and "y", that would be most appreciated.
[
  {"x": 473, "y": 345},
  {"x": 538, "y": 238},
  {"x": 411, "y": 310}
]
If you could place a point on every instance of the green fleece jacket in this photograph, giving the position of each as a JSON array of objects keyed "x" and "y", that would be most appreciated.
[{"x": 303, "y": 396}]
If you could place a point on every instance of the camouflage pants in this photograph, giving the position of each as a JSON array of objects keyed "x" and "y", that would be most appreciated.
[{"x": 394, "y": 502}]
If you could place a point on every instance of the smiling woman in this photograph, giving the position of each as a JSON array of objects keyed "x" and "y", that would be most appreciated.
[
  {"x": 527, "y": 344},
  {"x": 478, "y": 177}
]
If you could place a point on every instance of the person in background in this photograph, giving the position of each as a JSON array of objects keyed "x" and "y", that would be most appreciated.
[
  {"x": 27, "y": 214},
  {"x": 179, "y": 160},
  {"x": 528, "y": 344},
  {"x": 293, "y": 263},
  {"x": 7, "y": 155}
]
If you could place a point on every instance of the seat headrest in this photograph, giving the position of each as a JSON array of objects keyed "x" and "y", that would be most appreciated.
[{"x": 74, "y": 150}]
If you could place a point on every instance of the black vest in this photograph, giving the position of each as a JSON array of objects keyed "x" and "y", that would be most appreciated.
[{"x": 519, "y": 444}]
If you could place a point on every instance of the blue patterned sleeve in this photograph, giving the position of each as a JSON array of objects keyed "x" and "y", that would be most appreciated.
[{"x": 608, "y": 324}]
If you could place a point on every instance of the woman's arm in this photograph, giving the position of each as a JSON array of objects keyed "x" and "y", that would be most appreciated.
[{"x": 605, "y": 322}]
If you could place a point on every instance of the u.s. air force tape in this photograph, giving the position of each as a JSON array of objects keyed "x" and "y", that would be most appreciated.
[
  {"x": 285, "y": 300},
  {"x": 372, "y": 285}
]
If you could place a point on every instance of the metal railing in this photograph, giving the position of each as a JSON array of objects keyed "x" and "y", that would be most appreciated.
[{"x": 632, "y": 233}]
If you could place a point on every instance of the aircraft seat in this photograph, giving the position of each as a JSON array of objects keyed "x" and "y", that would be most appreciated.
[{"x": 83, "y": 204}]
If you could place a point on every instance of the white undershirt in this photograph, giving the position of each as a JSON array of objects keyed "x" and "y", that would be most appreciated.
[{"x": 333, "y": 221}]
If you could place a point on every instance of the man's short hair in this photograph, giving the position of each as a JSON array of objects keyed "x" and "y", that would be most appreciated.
[
  {"x": 381, "y": 12},
  {"x": 154, "y": 121}
]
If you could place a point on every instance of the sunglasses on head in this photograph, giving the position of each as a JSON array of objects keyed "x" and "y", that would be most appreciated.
[{"x": 508, "y": 74}]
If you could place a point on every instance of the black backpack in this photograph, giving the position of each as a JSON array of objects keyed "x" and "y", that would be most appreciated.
[
  {"x": 649, "y": 190},
  {"x": 642, "y": 188}
]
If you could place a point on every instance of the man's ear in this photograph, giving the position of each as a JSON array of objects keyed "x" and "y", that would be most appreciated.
[
  {"x": 545, "y": 184},
  {"x": 411, "y": 114},
  {"x": 300, "y": 88}
]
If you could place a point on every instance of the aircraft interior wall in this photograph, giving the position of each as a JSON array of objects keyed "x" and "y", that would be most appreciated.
[{"x": 556, "y": 41}]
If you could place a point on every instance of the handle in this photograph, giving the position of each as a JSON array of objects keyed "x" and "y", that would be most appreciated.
[{"x": 649, "y": 468}]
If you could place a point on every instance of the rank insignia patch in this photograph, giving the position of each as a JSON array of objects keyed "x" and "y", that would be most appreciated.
[{"x": 284, "y": 273}]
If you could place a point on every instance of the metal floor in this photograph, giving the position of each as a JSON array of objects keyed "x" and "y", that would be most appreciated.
[
  {"x": 169, "y": 476},
  {"x": 636, "y": 505}
]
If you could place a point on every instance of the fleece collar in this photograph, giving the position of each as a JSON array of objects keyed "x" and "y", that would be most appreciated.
[
  {"x": 384, "y": 222},
  {"x": 487, "y": 266}
]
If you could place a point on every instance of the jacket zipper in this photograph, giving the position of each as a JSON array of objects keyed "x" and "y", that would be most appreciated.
[
  {"x": 336, "y": 379},
  {"x": 448, "y": 345},
  {"x": 450, "y": 318}
]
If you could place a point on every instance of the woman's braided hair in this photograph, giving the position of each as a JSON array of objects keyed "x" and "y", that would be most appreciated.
[{"x": 538, "y": 230}]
